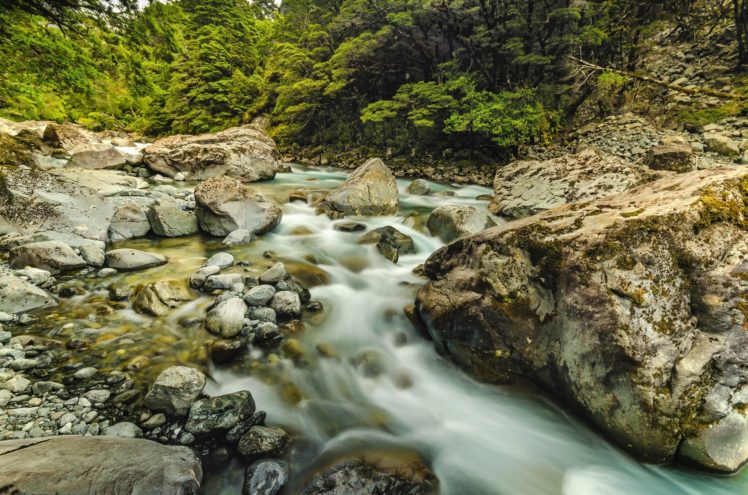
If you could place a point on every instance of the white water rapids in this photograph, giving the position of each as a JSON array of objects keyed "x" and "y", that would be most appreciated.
[{"x": 478, "y": 439}]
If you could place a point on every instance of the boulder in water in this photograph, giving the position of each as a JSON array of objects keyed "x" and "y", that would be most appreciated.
[
  {"x": 263, "y": 441},
  {"x": 158, "y": 298},
  {"x": 390, "y": 242},
  {"x": 220, "y": 414},
  {"x": 168, "y": 220},
  {"x": 244, "y": 153},
  {"x": 175, "y": 390},
  {"x": 133, "y": 259},
  {"x": 370, "y": 190},
  {"x": 450, "y": 222},
  {"x": 635, "y": 300},
  {"x": 225, "y": 205},
  {"x": 129, "y": 221}
]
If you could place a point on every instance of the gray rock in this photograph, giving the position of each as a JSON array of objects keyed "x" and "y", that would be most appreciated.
[
  {"x": 244, "y": 153},
  {"x": 263, "y": 441},
  {"x": 419, "y": 187},
  {"x": 268, "y": 477},
  {"x": 450, "y": 222},
  {"x": 66, "y": 201},
  {"x": 98, "y": 396},
  {"x": 274, "y": 274},
  {"x": 370, "y": 190},
  {"x": 96, "y": 156},
  {"x": 239, "y": 237},
  {"x": 19, "y": 296},
  {"x": 390, "y": 242},
  {"x": 721, "y": 144},
  {"x": 53, "y": 256},
  {"x": 168, "y": 220},
  {"x": 226, "y": 318},
  {"x": 524, "y": 188},
  {"x": 197, "y": 280},
  {"x": 93, "y": 256},
  {"x": 133, "y": 259},
  {"x": 259, "y": 295},
  {"x": 36, "y": 276},
  {"x": 17, "y": 384},
  {"x": 43, "y": 387},
  {"x": 225, "y": 205},
  {"x": 67, "y": 136},
  {"x": 262, "y": 314},
  {"x": 72, "y": 465},
  {"x": 174, "y": 390},
  {"x": 221, "y": 260},
  {"x": 85, "y": 373},
  {"x": 223, "y": 281},
  {"x": 220, "y": 414},
  {"x": 581, "y": 289},
  {"x": 128, "y": 222},
  {"x": 286, "y": 304},
  {"x": 158, "y": 419},
  {"x": 124, "y": 430}
]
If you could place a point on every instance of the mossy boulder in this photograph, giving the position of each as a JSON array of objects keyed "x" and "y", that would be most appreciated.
[{"x": 632, "y": 309}]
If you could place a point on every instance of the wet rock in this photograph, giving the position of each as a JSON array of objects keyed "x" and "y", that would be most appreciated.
[
  {"x": 174, "y": 390},
  {"x": 209, "y": 416},
  {"x": 53, "y": 256},
  {"x": 374, "y": 473},
  {"x": 274, "y": 274},
  {"x": 524, "y": 188},
  {"x": 267, "y": 334},
  {"x": 225, "y": 205},
  {"x": 583, "y": 288},
  {"x": 128, "y": 222},
  {"x": 227, "y": 318},
  {"x": 370, "y": 190},
  {"x": 239, "y": 237},
  {"x": 450, "y": 222},
  {"x": 119, "y": 291},
  {"x": 19, "y": 296},
  {"x": 369, "y": 362},
  {"x": 286, "y": 304},
  {"x": 71, "y": 465},
  {"x": 124, "y": 430},
  {"x": 223, "y": 281},
  {"x": 133, "y": 259},
  {"x": 349, "y": 227},
  {"x": 224, "y": 351},
  {"x": 158, "y": 298},
  {"x": 259, "y": 295},
  {"x": 261, "y": 442},
  {"x": 268, "y": 477},
  {"x": 419, "y": 187},
  {"x": 391, "y": 243},
  {"x": 234, "y": 434},
  {"x": 96, "y": 156},
  {"x": 244, "y": 153},
  {"x": 263, "y": 314},
  {"x": 221, "y": 260},
  {"x": 197, "y": 280},
  {"x": 168, "y": 220}
]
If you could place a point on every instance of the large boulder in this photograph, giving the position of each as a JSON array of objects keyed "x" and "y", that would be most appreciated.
[
  {"x": 370, "y": 190},
  {"x": 96, "y": 155},
  {"x": 449, "y": 222},
  {"x": 524, "y": 188},
  {"x": 72, "y": 465},
  {"x": 69, "y": 200},
  {"x": 67, "y": 136},
  {"x": 129, "y": 221},
  {"x": 631, "y": 308},
  {"x": 18, "y": 296},
  {"x": 53, "y": 256},
  {"x": 245, "y": 153},
  {"x": 225, "y": 204}
]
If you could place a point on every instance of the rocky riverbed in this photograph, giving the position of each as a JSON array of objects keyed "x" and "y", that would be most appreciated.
[{"x": 261, "y": 336}]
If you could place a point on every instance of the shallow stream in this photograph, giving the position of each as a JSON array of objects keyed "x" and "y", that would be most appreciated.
[{"x": 360, "y": 376}]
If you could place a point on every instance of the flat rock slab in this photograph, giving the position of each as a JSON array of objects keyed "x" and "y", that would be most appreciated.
[
  {"x": 133, "y": 259},
  {"x": 78, "y": 465}
]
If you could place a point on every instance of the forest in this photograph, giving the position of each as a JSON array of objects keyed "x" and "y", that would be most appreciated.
[{"x": 408, "y": 76}]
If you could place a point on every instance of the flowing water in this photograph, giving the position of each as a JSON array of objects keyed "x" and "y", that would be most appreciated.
[{"x": 385, "y": 386}]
